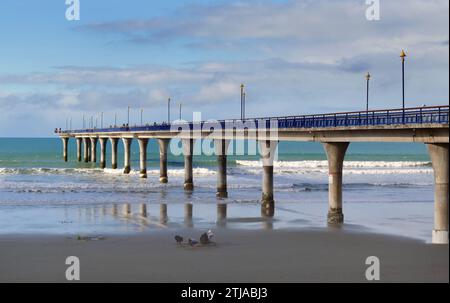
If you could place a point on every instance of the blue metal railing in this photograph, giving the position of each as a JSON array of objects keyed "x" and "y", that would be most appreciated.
[{"x": 416, "y": 115}]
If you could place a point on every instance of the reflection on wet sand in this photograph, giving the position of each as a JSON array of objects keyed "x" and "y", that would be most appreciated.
[
  {"x": 163, "y": 218},
  {"x": 114, "y": 210},
  {"x": 142, "y": 220},
  {"x": 221, "y": 215},
  {"x": 188, "y": 222}
]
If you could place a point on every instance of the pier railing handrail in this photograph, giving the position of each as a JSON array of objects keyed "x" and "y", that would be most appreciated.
[{"x": 396, "y": 116}]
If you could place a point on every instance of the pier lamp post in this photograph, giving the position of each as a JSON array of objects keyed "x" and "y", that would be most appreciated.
[
  {"x": 168, "y": 111},
  {"x": 403, "y": 56},
  {"x": 242, "y": 101},
  {"x": 367, "y": 96},
  {"x": 128, "y": 115},
  {"x": 115, "y": 119},
  {"x": 101, "y": 119},
  {"x": 142, "y": 112},
  {"x": 84, "y": 122},
  {"x": 243, "y": 111},
  {"x": 70, "y": 126}
]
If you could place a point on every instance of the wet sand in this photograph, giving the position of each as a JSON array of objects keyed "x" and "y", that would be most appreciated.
[{"x": 239, "y": 256}]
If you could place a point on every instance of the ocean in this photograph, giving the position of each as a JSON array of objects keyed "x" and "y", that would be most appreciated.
[{"x": 388, "y": 188}]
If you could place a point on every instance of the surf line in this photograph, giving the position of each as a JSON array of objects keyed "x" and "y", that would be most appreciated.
[{"x": 198, "y": 293}]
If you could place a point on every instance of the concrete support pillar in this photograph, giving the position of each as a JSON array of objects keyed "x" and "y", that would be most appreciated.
[
  {"x": 335, "y": 153},
  {"x": 163, "y": 146},
  {"x": 86, "y": 149},
  {"x": 126, "y": 154},
  {"x": 102, "y": 152},
  {"x": 65, "y": 142},
  {"x": 88, "y": 141},
  {"x": 79, "y": 143},
  {"x": 94, "y": 149},
  {"x": 221, "y": 147},
  {"x": 267, "y": 151},
  {"x": 126, "y": 210},
  {"x": 188, "y": 149},
  {"x": 439, "y": 158},
  {"x": 143, "y": 210},
  {"x": 143, "y": 157},
  {"x": 113, "y": 152}
]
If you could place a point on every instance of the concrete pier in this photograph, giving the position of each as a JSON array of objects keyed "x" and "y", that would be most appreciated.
[
  {"x": 65, "y": 141},
  {"x": 86, "y": 149},
  {"x": 163, "y": 147},
  {"x": 267, "y": 151},
  {"x": 113, "y": 152},
  {"x": 79, "y": 143},
  {"x": 126, "y": 154},
  {"x": 143, "y": 157},
  {"x": 94, "y": 149},
  {"x": 188, "y": 149},
  {"x": 335, "y": 153},
  {"x": 439, "y": 157},
  {"x": 102, "y": 142},
  {"x": 221, "y": 147}
]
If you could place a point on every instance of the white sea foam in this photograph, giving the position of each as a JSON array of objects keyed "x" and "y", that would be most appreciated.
[
  {"x": 350, "y": 167},
  {"x": 39, "y": 171},
  {"x": 347, "y": 164},
  {"x": 198, "y": 171},
  {"x": 254, "y": 167}
]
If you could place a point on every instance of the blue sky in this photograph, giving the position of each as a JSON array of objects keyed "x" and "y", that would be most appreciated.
[{"x": 295, "y": 57}]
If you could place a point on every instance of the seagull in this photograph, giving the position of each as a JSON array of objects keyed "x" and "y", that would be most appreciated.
[
  {"x": 210, "y": 234},
  {"x": 204, "y": 239},
  {"x": 192, "y": 242},
  {"x": 179, "y": 239}
]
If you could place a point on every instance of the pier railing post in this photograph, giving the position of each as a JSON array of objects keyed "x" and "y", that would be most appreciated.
[
  {"x": 267, "y": 151},
  {"x": 65, "y": 141},
  {"x": 143, "y": 142},
  {"x": 335, "y": 153},
  {"x": 114, "y": 142},
  {"x": 79, "y": 143},
  {"x": 439, "y": 157},
  {"x": 163, "y": 146},
  {"x": 102, "y": 152},
  {"x": 94, "y": 149},
  {"x": 126, "y": 153},
  {"x": 188, "y": 149},
  {"x": 221, "y": 147}
]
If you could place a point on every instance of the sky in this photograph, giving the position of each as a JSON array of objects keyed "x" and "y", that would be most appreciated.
[{"x": 294, "y": 57}]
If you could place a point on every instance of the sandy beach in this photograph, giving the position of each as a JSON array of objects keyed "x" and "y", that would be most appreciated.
[{"x": 239, "y": 256}]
